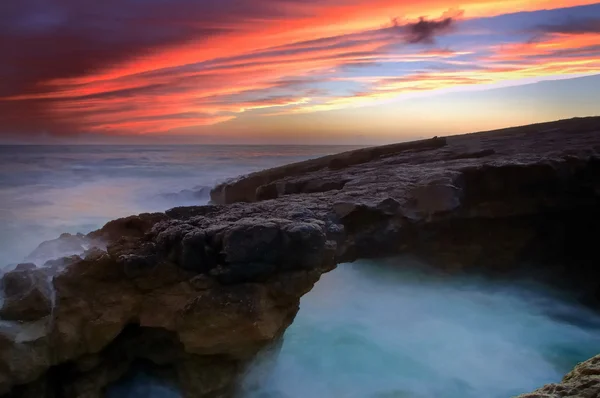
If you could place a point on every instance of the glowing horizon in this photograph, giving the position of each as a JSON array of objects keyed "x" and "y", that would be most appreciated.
[{"x": 261, "y": 69}]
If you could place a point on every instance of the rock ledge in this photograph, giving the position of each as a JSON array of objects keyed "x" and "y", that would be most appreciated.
[{"x": 196, "y": 292}]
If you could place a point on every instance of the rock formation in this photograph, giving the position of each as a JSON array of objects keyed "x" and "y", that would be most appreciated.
[
  {"x": 199, "y": 296},
  {"x": 196, "y": 292},
  {"x": 581, "y": 382}
]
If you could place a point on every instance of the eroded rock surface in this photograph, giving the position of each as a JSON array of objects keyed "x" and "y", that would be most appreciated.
[
  {"x": 196, "y": 292},
  {"x": 215, "y": 293},
  {"x": 581, "y": 382}
]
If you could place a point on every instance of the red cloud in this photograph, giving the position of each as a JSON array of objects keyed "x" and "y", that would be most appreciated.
[{"x": 132, "y": 66}]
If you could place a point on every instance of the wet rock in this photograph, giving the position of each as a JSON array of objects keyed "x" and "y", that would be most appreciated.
[
  {"x": 56, "y": 265},
  {"x": 25, "y": 267},
  {"x": 581, "y": 382},
  {"x": 243, "y": 272},
  {"x": 183, "y": 213},
  {"x": 269, "y": 191},
  {"x": 304, "y": 244},
  {"x": 253, "y": 240},
  {"x": 208, "y": 376},
  {"x": 275, "y": 190},
  {"x": 196, "y": 254},
  {"x": 436, "y": 197},
  {"x": 474, "y": 155},
  {"x": 133, "y": 226},
  {"x": 27, "y": 294}
]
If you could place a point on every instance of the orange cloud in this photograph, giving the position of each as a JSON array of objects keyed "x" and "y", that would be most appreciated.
[
  {"x": 557, "y": 55},
  {"x": 170, "y": 68}
]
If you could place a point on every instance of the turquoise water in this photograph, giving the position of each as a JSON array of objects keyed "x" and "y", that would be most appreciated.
[{"x": 386, "y": 330}]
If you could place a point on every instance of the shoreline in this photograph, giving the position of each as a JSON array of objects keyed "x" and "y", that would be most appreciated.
[{"x": 228, "y": 277}]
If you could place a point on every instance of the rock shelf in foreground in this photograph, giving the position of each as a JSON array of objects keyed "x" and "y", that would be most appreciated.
[{"x": 195, "y": 293}]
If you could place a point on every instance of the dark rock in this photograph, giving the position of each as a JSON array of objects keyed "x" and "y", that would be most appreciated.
[
  {"x": 581, "y": 382},
  {"x": 253, "y": 240},
  {"x": 266, "y": 192},
  {"x": 247, "y": 189},
  {"x": 196, "y": 254},
  {"x": 133, "y": 226},
  {"x": 60, "y": 263},
  {"x": 243, "y": 272},
  {"x": 183, "y": 213},
  {"x": 28, "y": 295},
  {"x": 25, "y": 267},
  {"x": 389, "y": 206},
  {"x": 313, "y": 186},
  {"x": 135, "y": 266},
  {"x": 436, "y": 197},
  {"x": 198, "y": 193},
  {"x": 304, "y": 245},
  {"x": 17, "y": 281},
  {"x": 473, "y": 155},
  {"x": 357, "y": 216}
]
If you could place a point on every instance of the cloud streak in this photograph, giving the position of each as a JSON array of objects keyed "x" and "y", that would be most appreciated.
[
  {"x": 573, "y": 26},
  {"x": 131, "y": 67}
]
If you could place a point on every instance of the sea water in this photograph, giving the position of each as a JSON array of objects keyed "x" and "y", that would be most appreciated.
[
  {"x": 396, "y": 329},
  {"x": 47, "y": 190},
  {"x": 384, "y": 329}
]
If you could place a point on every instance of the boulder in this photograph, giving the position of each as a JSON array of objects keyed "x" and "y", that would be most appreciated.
[{"x": 27, "y": 294}]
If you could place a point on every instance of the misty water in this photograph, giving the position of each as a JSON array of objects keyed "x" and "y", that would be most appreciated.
[
  {"x": 396, "y": 329},
  {"x": 371, "y": 329},
  {"x": 47, "y": 190}
]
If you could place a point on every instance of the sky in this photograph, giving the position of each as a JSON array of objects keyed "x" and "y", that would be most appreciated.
[{"x": 291, "y": 71}]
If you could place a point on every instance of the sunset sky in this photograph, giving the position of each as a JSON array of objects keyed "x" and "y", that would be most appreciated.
[{"x": 291, "y": 71}]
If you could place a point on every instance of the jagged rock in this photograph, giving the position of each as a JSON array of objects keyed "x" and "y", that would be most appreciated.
[
  {"x": 27, "y": 294},
  {"x": 274, "y": 190},
  {"x": 253, "y": 240},
  {"x": 226, "y": 313},
  {"x": 195, "y": 293},
  {"x": 133, "y": 226},
  {"x": 243, "y": 272},
  {"x": 581, "y": 382},
  {"x": 436, "y": 197}
]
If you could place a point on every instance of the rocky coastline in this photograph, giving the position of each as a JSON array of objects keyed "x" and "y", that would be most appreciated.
[{"x": 195, "y": 293}]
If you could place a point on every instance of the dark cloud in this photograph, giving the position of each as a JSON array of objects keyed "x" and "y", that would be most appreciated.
[
  {"x": 572, "y": 26},
  {"x": 42, "y": 40},
  {"x": 425, "y": 31}
]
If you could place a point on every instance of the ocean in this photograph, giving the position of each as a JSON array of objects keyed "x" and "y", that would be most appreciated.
[
  {"x": 371, "y": 329},
  {"x": 48, "y": 190}
]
